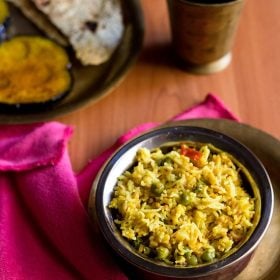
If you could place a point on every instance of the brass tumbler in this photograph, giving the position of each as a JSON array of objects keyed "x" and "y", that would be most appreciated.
[{"x": 203, "y": 32}]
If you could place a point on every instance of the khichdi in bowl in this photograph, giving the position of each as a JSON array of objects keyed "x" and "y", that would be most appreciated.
[{"x": 182, "y": 202}]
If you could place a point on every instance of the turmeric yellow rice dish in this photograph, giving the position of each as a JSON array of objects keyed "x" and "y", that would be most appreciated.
[{"x": 183, "y": 204}]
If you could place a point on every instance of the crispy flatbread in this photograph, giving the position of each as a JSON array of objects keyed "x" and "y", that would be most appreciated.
[{"x": 94, "y": 28}]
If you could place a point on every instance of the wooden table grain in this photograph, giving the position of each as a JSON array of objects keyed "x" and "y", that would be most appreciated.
[{"x": 155, "y": 90}]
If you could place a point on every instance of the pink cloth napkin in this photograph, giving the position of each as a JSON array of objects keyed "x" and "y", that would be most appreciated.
[{"x": 45, "y": 230}]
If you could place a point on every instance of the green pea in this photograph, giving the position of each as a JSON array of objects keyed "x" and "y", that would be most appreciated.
[
  {"x": 192, "y": 260},
  {"x": 157, "y": 190},
  {"x": 162, "y": 253},
  {"x": 208, "y": 255},
  {"x": 198, "y": 188},
  {"x": 184, "y": 198},
  {"x": 167, "y": 160},
  {"x": 137, "y": 242},
  {"x": 147, "y": 251},
  {"x": 188, "y": 252},
  {"x": 160, "y": 162}
]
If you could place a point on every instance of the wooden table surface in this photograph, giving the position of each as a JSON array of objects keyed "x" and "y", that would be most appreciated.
[{"x": 155, "y": 90}]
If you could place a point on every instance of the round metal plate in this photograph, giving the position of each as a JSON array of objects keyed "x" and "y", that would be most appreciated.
[
  {"x": 265, "y": 263},
  {"x": 91, "y": 83}
]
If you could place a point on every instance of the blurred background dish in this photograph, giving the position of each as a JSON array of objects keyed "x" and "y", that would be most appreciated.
[{"x": 91, "y": 83}]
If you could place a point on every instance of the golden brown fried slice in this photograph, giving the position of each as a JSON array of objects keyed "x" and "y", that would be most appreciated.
[
  {"x": 32, "y": 70},
  {"x": 4, "y": 12}
]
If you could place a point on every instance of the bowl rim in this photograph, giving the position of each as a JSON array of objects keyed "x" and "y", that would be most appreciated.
[{"x": 178, "y": 271}]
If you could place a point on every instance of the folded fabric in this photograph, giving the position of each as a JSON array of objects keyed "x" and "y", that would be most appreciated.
[{"x": 45, "y": 230}]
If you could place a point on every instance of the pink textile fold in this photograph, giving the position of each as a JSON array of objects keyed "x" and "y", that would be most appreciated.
[{"x": 45, "y": 230}]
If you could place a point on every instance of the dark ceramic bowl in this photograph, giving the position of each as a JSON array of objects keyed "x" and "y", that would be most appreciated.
[{"x": 142, "y": 267}]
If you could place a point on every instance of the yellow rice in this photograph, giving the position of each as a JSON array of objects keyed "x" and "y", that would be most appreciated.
[{"x": 183, "y": 208}]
